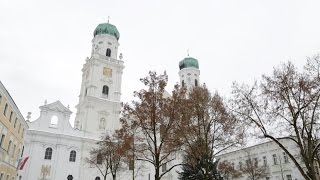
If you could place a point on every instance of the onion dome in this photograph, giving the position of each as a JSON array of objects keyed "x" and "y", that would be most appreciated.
[
  {"x": 107, "y": 28},
  {"x": 189, "y": 62}
]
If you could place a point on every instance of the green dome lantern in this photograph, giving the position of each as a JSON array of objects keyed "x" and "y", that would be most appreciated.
[
  {"x": 106, "y": 28},
  {"x": 189, "y": 62}
]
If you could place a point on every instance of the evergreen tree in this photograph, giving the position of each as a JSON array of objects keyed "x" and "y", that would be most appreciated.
[{"x": 199, "y": 165}]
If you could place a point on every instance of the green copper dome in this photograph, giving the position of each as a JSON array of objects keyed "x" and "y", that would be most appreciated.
[
  {"x": 106, "y": 28},
  {"x": 188, "y": 62}
]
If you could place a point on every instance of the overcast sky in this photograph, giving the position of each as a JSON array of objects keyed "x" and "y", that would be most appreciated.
[{"x": 43, "y": 44}]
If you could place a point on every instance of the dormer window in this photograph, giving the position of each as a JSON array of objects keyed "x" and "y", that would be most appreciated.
[
  {"x": 105, "y": 90},
  {"x": 108, "y": 53}
]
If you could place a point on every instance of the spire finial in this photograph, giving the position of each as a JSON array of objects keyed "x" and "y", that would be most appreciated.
[
  {"x": 188, "y": 51},
  {"x": 108, "y": 19},
  {"x": 29, "y": 116}
]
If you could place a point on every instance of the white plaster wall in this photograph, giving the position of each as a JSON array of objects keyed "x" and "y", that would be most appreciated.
[
  {"x": 266, "y": 149},
  {"x": 60, "y": 165}
]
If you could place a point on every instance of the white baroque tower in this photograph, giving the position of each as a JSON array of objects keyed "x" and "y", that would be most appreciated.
[
  {"x": 189, "y": 72},
  {"x": 99, "y": 101}
]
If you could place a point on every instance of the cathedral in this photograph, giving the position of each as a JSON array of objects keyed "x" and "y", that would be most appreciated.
[{"x": 56, "y": 149}]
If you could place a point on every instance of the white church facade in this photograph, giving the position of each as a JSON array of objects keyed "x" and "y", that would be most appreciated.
[{"x": 57, "y": 150}]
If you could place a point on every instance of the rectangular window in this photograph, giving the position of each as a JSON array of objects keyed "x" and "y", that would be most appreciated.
[
  {"x": 2, "y": 140},
  {"x": 9, "y": 147},
  {"x": 240, "y": 165},
  {"x": 164, "y": 167},
  {"x": 19, "y": 128},
  {"x": 289, "y": 177},
  {"x": 256, "y": 162},
  {"x": 22, "y": 151},
  {"x": 275, "y": 161},
  {"x": 10, "y": 117},
  {"x": 267, "y": 178},
  {"x": 285, "y": 157},
  {"x": 22, "y": 132},
  {"x": 5, "y": 110},
  {"x": 13, "y": 151},
  {"x": 265, "y": 161},
  {"x": 131, "y": 165},
  {"x": 15, "y": 123}
]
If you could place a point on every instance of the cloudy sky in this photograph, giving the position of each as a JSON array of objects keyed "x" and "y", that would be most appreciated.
[{"x": 43, "y": 44}]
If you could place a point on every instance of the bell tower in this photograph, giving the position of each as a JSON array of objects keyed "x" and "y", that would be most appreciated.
[
  {"x": 189, "y": 72},
  {"x": 99, "y": 106}
]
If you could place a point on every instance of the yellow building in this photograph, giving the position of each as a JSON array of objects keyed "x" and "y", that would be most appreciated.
[{"x": 12, "y": 131}]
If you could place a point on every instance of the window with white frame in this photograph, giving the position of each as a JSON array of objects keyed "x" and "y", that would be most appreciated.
[
  {"x": 9, "y": 147},
  {"x": 275, "y": 160},
  {"x": 54, "y": 121},
  {"x": 3, "y": 136},
  {"x": 72, "y": 157},
  {"x": 5, "y": 110},
  {"x": 285, "y": 157},
  {"x": 289, "y": 177},
  {"x": 164, "y": 167},
  {"x": 10, "y": 117},
  {"x": 265, "y": 162},
  {"x": 15, "y": 123},
  {"x": 48, "y": 153}
]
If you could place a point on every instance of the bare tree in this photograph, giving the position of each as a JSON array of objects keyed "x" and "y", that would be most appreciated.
[
  {"x": 156, "y": 115},
  {"x": 109, "y": 155},
  {"x": 285, "y": 105},
  {"x": 208, "y": 129},
  {"x": 252, "y": 169},
  {"x": 99, "y": 160},
  {"x": 227, "y": 170}
]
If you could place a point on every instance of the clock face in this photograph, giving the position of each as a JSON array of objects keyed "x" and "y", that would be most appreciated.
[{"x": 107, "y": 72}]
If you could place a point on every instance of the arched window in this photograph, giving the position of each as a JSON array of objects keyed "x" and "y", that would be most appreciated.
[
  {"x": 108, "y": 53},
  {"x": 54, "y": 121},
  {"x": 70, "y": 177},
  {"x": 99, "y": 159},
  {"x": 97, "y": 178},
  {"x": 48, "y": 153},
  {"x": 73, "y": 155},
  {"x": 195, "y": 82},
  {"x": 105, "y": 90},
  {"x": 182, "y": 83}
]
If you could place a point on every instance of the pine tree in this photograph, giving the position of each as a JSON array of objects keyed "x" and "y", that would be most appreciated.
[{"x": 200, "y": 165}]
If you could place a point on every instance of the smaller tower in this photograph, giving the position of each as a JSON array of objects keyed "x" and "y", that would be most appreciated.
[{"x": 189, "y": 72}]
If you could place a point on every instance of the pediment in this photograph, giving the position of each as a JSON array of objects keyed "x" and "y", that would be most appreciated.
[{"x": 57, "y": 107}]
